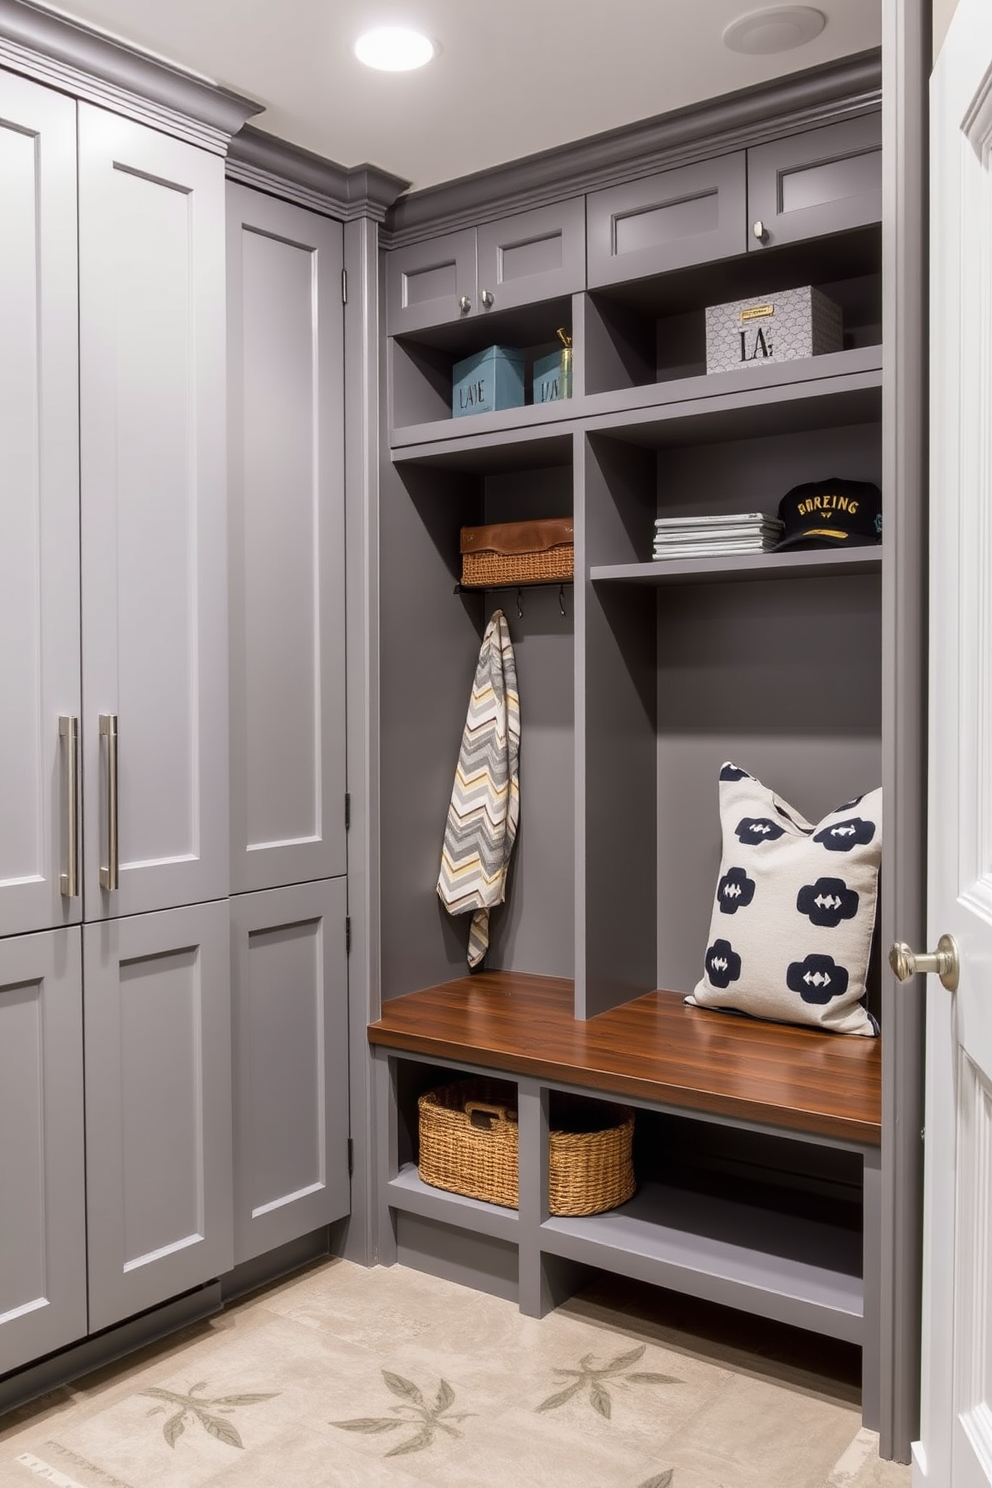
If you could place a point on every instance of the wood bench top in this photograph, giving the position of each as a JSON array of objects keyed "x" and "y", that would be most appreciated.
[{"x": 655, "y": 1048}]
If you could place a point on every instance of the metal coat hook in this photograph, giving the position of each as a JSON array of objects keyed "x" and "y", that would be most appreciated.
[
  {"x": 520, "y": 606},
  {"x": 561, "y": 599}
]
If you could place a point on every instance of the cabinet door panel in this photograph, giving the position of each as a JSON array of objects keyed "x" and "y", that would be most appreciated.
[
  {"x": 819, "y": 182},
  {"x": 533, "y": 256},
  {"x": 685, "y": 216},
  {"x": 39, "y": 500},
  {"x": 290, "y": 982},
  {"x": 158, "y": 1106},
  {"x": 426, "y": 282},
  {"x": 42, "y": 1216},
  {"x": 287, "y": 617},
  {"x": 153, "y": 511}
]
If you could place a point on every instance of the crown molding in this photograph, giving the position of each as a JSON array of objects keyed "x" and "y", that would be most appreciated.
[
  {"x": 753, "y": 116},
  {"x": 258, "y": 159},
  {"x": 69, "y": 55}
]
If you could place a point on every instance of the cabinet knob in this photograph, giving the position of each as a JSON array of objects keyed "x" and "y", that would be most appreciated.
[
  {"x": 488, "y": 298},
  {"x": 944, "y": 961},
  {"x": 464, "y": 304},
  {"x": 760, "y": 231}
]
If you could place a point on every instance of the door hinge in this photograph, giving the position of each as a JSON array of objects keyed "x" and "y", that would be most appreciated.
[
  {"x": 344, "y": 286},
  {"x": 351, "y": 1157},
  {"x": 347, "y": 934},
  {"x": 347, "y": 810}
]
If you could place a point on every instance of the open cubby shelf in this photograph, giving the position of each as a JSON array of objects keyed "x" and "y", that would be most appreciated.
[{"x": 742, "y": 568}]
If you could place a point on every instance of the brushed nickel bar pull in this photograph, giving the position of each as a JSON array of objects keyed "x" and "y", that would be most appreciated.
[
  {"x": 69, "y": 880},
  {"x": 109, "y": 875}
]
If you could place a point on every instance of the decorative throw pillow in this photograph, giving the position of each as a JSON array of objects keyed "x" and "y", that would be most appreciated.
[{"x": 795, "y": 909}]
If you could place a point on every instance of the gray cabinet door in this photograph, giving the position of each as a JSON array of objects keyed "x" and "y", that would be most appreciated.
[
  {"x": 39, "y": 501},
  {"x": 287, "y": 597},
  {"x": 290, "y": 994},
  {"x": 686, "y": 216},
  {"x": 158, "y": 1106},
  {"x": 42, "y": 1212},
  {"x": 154, "y": 539},
  {"x": 431, "y": 283},
  {"x": 533, "y": 256},
  {"x": 823, "y": 181}
]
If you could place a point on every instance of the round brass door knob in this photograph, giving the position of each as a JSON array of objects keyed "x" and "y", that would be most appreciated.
[{"x": 944, "y": 961}]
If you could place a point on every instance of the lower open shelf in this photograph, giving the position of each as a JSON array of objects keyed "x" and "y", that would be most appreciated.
[
  {"x": 408, "y": 1192},
  {"x": 797, "y": 1270}
]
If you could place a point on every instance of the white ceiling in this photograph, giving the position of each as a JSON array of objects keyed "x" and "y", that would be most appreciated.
[{"x": 513, "y": 77}]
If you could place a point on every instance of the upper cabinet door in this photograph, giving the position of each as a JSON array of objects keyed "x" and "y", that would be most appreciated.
[
  {"x": 686, "y": 216},
  {"x": 287, "y": 615},
  {"x": 534, "y": 256},
  {"x": 819, "y": 182},
  {"x": 431, "y": 283},
  {"x": 152, "y": 403},
  {"x": 39, "y": 505}
]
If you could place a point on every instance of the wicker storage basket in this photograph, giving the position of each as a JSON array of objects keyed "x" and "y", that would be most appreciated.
[
  {"x": 518, "y": 553},
  {"x": 468, "y": 1145}
]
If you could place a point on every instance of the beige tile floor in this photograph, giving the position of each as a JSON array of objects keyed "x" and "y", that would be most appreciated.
[{"x": 343, "y": 1377}]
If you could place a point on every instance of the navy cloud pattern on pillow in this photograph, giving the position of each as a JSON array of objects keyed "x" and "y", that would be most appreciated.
[
  {"x": 828, "y": 901},
  {"x": 755, "y": 829},
  {"x": 723, "y": 963},
  {"x": 799, "y": 900},
  {"x": 843, "y": 835},
  {"x": 734, "y": 891}
]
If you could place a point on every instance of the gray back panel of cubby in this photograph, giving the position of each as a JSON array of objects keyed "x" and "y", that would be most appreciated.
[
  {"x": 429, "y": 647},
  {"x": 783, "y": 678}
]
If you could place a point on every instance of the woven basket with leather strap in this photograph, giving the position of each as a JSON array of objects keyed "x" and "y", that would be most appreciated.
[
  {"x": 469, "y": 1145},
  {"x": 518, "y": 553}
]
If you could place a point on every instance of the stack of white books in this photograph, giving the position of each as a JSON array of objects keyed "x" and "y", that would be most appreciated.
[{"x": 709, "y": 537}]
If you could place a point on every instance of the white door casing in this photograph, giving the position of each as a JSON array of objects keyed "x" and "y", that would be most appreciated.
[{"x": 955, "y": 1446}]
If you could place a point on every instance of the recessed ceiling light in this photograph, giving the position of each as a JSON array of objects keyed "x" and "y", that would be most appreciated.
[
  {"x": 776, "y": 30},
  {"x": 395, "y": 49}
]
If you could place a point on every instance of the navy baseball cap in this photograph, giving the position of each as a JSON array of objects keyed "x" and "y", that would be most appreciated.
[{"x": 831, "y": 513}]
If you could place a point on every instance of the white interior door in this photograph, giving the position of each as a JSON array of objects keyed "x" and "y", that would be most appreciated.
[{"x": 955, "y": 1449}]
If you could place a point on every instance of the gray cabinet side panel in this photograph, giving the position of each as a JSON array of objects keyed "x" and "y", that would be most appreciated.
[
  {"x": 685, "y": 216},
  {"x": 39, "y": 506},
  {"x": 820, "y": 182},
  {"x": 535, "y": 255},
  {"x": 426, "y": 282},
  {"x": 42, "y": 1214},
  {"x": 286, "y": 515},
  {"x": 290, "y": 1007},
  {"x": 158, "y": 1106},
  {"x": 362, "y": 319}
]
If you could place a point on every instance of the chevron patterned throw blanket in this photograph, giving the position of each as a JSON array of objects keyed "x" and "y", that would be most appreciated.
[{"x": 485, "y": 799}]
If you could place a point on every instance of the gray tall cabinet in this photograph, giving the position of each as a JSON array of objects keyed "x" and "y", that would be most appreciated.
[
  {"x": 116, "y": 771},
  {"x": 174, "y": 1064}
]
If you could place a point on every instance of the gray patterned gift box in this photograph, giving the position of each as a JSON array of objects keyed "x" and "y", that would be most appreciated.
[{"x": 772, "y": 328}]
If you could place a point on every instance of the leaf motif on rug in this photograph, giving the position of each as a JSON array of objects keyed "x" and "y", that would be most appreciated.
[
  {"x": 588, "y": 1375},
  {"x": 212, "y": 1414},
  {"x": 415, "y": 1411}
]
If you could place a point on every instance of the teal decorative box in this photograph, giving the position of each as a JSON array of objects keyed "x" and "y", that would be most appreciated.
[
  {"x": 551, "y": 378},
  {"x": 492, "y": 378}
]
